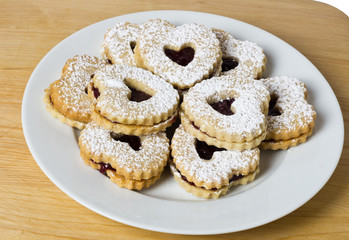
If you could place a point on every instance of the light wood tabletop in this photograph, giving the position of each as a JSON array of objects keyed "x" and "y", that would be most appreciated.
[{"x": 32, "y": 207}]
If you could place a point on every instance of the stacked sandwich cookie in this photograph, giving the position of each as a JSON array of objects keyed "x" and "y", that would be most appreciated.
[
  {"x": 133, "y": 162},
  {"x": 67, "y": 98},
  {"x": 227, "y": 112},
  {"x": 291, "y": 118},
  {"x": 132, "y": 100},
  {"x": 208, "y": 171}
]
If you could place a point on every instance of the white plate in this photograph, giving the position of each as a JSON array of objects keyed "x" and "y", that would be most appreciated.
[{"x": 287, "y": 179}]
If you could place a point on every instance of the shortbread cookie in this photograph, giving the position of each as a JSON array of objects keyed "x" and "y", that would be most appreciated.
[
  {"x": 291, "y": 118},
  {"x": 182, "y": 55},
  {"x": 243, "y": 58},
  {"x": 207, "y": 171},
  {"x": 67, "y": 97},
  {"x": 130, "y": 161},
  {"x": 227, "y": 111},
  {"x": 132, "y": 97},
  {"x": 120, "y": 41}
]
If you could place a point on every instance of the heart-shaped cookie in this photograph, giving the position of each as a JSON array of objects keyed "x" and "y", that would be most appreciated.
[
  {"x": 132, "y": 100},
  {"x": 207, "y": 171},
  {"x": 129, "y": 161},
  {"x": 120, "y": 41},
  {"x": 66, "y": 98},
  {"x": 182, "y": 55},
  {"x": 227, "y": 111},
  {"x": 240, "y": 58},
  {"x": 152, "y": 100},
  {"x": 291, "y": 118}
]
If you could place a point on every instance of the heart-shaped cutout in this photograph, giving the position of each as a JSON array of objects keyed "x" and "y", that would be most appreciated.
[
  {"x": 206, "y": 151},
  {"x": 182, "y": 57},
  {"x": 229, "y": 64},
  {"x": 133, "y": 141},
  {"x": 138, "y": 95},
  {"x": 224, "y": 107},
  {"x": 273, "y": 111}
]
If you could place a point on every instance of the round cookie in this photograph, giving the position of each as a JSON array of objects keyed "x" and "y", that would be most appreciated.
[
  {"x": 240, "y": 58},
  {"x": 183, "y": 55},
  {"x": 120, "y": 41},
  {"x": 131, "y": 98},
  {"x": 207, "y": 171},
  {"x": 291, "y": 118},
  {"x": 130, "y": 161},
  {"x": 227, "y": 109},
  {"x": 67, "y": 97}
]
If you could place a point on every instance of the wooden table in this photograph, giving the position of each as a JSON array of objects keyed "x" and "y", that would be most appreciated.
[{"x": 32, "y": 207}]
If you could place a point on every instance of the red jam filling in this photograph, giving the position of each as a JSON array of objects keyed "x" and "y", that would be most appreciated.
[
  {"x": 206, "y": 151},
  {"x": 273, "y": 111},
  {"x": 96, "y": 92},
  {"x": 103, "y": 167},
  {"x": 229, "y": 64},
  {"x": 182, "y": 57},
  {"x": 138, "y": 96},
  {"x": 196, "y": 127},
  {"x": 223, "y": 107},
  {"x": 133, "y": 141},
  {"x": 234, "y": 178},
  {"x": 174, "y": 118}
]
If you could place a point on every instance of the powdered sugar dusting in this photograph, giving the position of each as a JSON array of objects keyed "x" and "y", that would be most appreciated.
[
  {"x": 249, "y": 55},
  {"x": 75, "y": 77},
  {"x": 223, "y": 165},
  {"x": 248, "y": 107},
  {"x": 154, "y": 149},
  {"x": 159, "y": 34},
  {"x": 291, "y": 101},
  {"x": 118, "y": 40},
  {"x": 112, "y": 82}
]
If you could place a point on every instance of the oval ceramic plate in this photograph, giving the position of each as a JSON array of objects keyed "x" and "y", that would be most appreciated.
[{"x": 287, "y": 179}]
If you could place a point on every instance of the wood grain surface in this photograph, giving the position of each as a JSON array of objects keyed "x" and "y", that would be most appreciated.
[{"x": 32, "y": 207}]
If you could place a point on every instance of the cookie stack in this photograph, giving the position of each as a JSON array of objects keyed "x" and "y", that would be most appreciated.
[{"x": 125, "y": 100}]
